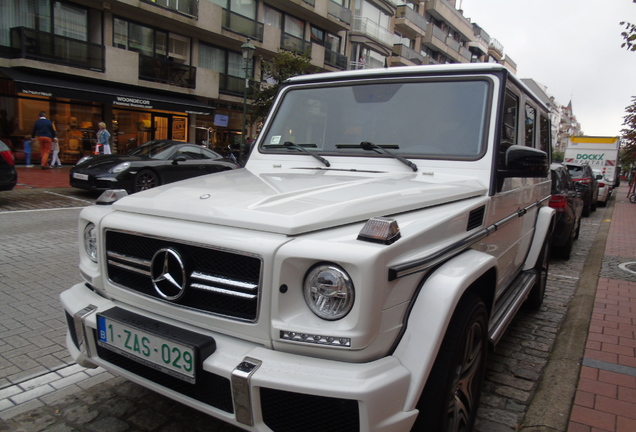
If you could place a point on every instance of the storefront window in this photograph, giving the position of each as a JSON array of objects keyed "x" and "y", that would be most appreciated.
[
  {"x": 75, "y": 124},
  {"x": 132, "y": 128}
]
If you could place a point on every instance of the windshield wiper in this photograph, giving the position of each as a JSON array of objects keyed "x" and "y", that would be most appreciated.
[
  {"x": 299, "y": 147},
  {"x": 366, "y": 145}
]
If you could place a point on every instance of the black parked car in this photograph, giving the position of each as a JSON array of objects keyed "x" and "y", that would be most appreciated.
[
  {"x": 584, "y": 176},
  {"x": 8, "y": 174},
  {"x": 567, "y": 201},
  {"x": 147, "y": 166}
]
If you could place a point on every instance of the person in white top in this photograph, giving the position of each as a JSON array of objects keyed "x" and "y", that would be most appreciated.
[{"x": 55, "y": 159}]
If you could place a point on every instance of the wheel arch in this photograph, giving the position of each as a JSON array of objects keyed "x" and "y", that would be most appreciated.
[
  {"x": 143, "y": 169},
  {"x": 431, "y": 312},
  {"x": 546, "y": 218}
]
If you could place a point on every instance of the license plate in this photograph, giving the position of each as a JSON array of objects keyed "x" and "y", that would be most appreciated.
[
  {"x": 153, "y": 350},
  {"x": 79, "y": 176}
]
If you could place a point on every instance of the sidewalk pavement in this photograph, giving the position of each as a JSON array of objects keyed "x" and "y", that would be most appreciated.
[
  {"x": 36, "y": 177},
  {"x": 605, "y": 397}
]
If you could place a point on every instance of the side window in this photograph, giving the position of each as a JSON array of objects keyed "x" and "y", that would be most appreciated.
[
  {"x": 544, "y": 134},
  {"x": 530, "y": 123},
  {"x": 508, "y": 127},
  {"x": 190, "y": 152},
  {"x": 509, "y": 132}
]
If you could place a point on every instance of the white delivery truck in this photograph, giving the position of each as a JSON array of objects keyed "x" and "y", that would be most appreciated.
[{"x": 601, "y": 153}]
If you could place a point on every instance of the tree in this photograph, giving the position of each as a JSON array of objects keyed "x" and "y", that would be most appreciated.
[
  {"x": 629, "y": 35},
  {"x": 284, "y": 65},
  {"x": 628, "y": 149}
]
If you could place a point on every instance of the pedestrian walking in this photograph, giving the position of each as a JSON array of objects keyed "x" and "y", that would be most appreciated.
[
  {"x": 27, "y": 151},
  {"x": 103, "y": 138},
  {"x": 55, "y": 160},
  {"x": 45, "y": 132}
]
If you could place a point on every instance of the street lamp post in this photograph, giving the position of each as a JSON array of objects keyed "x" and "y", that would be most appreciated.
[{"x": 248, "y": 52}]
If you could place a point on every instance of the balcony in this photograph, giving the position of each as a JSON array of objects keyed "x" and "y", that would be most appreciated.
[
  {"x": 435, "y": 38},
  {"x": 410, "y": 56},
  {"x": 242, "y": 25},
  {"x": 167, "y": 72},
  {"x": 339, "y": 12},
  {"x": 47, "y": 47},
  {"x": 370, "y": 29},
  {"x": 235, "y": 86},
  {"x": 185, "y": 7},
  {"x": 444, "y": 11},
  {"x": 295, "y": 44},
  {"x": 410, "y": 22},
  {"x": 310, "y": 2},
  {"x": 336, "y": 60}
]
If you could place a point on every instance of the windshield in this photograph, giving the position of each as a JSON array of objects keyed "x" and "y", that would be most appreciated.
[
  {"x": 417, "y": 119},
  {"x": 152, "y": 149}
]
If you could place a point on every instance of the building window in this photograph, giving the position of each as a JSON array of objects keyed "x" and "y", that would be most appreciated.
[
  {"x": 330, "y": 41},
  {"x": 63, "y": 19},
  {"x": 150, "y": 42},
  {"x": 246, "y": 8}
]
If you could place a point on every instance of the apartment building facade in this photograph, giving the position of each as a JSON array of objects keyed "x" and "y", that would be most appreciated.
[{"x": 174, "y": 69}]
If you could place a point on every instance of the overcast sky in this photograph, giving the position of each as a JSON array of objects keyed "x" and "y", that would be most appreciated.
[{"x": 571, "y": 46}]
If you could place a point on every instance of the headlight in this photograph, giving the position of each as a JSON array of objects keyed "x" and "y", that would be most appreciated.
[
  {"x": 90, "y": 241},
  {"x": 329, "y": 292},
  {"x": 121, "y": 167},
  {"x": 84, "y": 159}
]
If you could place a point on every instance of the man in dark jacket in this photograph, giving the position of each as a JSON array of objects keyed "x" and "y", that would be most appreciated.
[{"x": 45, "y": 132}]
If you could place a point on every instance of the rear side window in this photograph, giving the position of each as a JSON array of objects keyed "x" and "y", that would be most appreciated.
[
  {"x": 544, "y": 134},
  {"x": 530, "y": 122}
]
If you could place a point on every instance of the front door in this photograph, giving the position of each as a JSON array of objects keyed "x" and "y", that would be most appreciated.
[{"x": 162, "y": 127}]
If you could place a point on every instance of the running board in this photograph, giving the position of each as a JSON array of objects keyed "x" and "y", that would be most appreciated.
[{"x": 510, "y": 304}]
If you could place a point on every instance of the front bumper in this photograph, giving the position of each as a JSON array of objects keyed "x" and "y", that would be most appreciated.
[{"x": 253, "y": 387}]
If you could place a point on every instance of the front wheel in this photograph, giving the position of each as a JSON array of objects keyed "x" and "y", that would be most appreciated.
[
  {"x": 145, "y": 179},
  {"x": 451, "y": 396}
]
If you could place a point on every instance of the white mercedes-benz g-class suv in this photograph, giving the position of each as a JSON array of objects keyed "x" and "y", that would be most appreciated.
[{"x": 386, "y": 229}]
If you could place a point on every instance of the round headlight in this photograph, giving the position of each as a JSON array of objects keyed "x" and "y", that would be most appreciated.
[
  {"x": 329, "y": 292},
  {"x": 90, "y": 241},
  {"x": 121, "y": 167}
]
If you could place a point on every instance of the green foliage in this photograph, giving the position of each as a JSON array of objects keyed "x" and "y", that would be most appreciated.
[
  {"x": 628, "y": 149},
  {"x": 557, "y": 156},
  {"x": 629, "y": 35},
  {"x": 283, "y": 65}
]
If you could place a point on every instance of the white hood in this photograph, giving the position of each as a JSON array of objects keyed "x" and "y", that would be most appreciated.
[{"x": 297, "y": 201}]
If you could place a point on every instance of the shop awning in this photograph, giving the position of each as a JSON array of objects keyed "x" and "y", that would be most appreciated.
[{"x": 103, "y": 92}]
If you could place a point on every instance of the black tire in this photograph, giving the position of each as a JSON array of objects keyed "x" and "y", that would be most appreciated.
[
  {"x": 578, "y": 230},
  {"x": 145, "y": 179},
  {"x": 587, "y": 208},
  {"x": 535, "y": 298},
  {"x": 565, "y": 251},
  {"x": 451, "y": 395}
]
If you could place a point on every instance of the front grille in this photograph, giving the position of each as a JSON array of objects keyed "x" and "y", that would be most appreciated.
[
  {"x": 211, "y": 389},
  {"x": 291, "y": 412},
  {"x": 217, "y": 281}
]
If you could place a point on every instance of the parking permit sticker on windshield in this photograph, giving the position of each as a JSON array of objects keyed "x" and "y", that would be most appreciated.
[{"x": 275, "y": 139}]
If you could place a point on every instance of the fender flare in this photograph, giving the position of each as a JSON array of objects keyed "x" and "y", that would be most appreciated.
[
  {"x": 542, "y": 230},
  {"x": 431, "y": 313}
]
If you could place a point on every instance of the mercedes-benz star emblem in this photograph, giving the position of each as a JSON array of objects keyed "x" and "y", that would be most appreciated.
[{"x": 168, "y": 274}]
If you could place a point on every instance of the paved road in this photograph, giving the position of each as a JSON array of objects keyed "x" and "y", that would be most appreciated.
[{"x": 41, "y": 390}]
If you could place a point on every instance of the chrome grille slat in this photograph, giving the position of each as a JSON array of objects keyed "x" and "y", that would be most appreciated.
[
  {"x": 224, "y": 281},
  {"x": 131, "y": 268},
  {"x": 220, "y": 282},
  {"x": 223, "y": 291}
]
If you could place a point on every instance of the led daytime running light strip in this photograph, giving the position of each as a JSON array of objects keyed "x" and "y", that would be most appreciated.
[{"x": 315, "y": 339}]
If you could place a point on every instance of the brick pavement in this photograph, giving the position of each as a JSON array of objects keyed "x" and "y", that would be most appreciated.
[{"x": 605, "y": 399}]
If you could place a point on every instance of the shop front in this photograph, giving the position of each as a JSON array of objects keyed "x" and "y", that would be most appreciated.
[{"x": 132, "y": 115}]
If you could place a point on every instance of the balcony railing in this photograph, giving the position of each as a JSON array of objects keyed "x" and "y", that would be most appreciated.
[
  {"x": 408, "y": 53},
  {"x": 185, "y": 7},
  {"x": 452, "y": 43},
  {"x": 310, "y": 2},
  {"x": 336, "y": 60},
  {"x": 339, "y": 12},
  {"x": 47, "y": 47},
  {"x": 373, "y": 30},
  {"x": 167, "y": 72},
  {"x": 409, "y": 14},
  {"x": 295, "y": 44},
  {"x": 233, "y": 85},
  {"x": 242, "y": 25}
]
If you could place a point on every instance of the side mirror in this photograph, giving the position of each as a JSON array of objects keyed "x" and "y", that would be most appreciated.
[
  {"x": 178, "y": 159},
  {"x": 599, "y": 176},
  {"x": 524, "y": 161}
]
